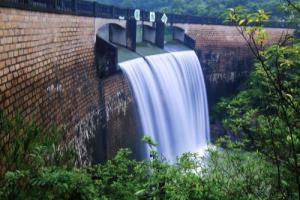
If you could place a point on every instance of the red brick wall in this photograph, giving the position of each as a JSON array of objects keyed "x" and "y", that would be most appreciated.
[
  {"x": 225, "y": 58},
  {"x": 47, "y": 69},
  {"x": 48, "y": 74},
  {"x": 123, "y": 127},
  {"x": 219, "y": 36}
]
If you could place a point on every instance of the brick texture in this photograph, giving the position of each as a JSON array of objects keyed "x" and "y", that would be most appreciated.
[
  {"x": 48, "y": 74},
  {"x": 219, "y": 36},
  {"x": 47, "y": 69},
  {"x": 123, "y": 126},
  {"x": 225, "y": 58}
]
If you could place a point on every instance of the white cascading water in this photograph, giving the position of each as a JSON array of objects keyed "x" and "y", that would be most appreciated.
[{"x": 171, "y": 96}]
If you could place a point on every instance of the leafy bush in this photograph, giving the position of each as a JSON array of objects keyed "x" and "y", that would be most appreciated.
[
  {"x": 37, "y": 168},
  {"x": 265, "y": 114},
  {"x": 227, "y": 174},
  {"x": 48, "y": 183},
  {"x": 25, "y": 145}
]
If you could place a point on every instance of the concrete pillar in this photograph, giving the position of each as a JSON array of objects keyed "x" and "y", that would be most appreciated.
[
  {"x": 131, "y": 34},
  {"x": 160, "y": 34}
]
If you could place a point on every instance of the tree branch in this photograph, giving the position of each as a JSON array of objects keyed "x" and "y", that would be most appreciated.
[{"x": 291, "y": 4}]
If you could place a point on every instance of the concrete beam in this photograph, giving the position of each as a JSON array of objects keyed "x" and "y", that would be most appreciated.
[
  {"x": 155, "y": 34},
  {"x": 117, "y": 35},
  {"x": 101, "y": 22},
  {"x": 149, "y": 34},
  {"x": 180, "y": 34}
]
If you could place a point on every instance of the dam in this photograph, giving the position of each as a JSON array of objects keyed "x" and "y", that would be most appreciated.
[{"x": 59, "y": 63}]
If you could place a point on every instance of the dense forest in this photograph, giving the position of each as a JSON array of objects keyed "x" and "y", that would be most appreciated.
[{"x": 212, "y": 8}]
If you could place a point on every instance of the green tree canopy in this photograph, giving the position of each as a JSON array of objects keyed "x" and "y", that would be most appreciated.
[{"x": 212, "y": 8}]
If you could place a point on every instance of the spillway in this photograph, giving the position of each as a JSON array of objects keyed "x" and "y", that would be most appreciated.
[{"x": 170, "y": 93}]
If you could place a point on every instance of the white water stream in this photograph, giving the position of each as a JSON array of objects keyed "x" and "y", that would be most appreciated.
[{"x": 171, "y": 97}]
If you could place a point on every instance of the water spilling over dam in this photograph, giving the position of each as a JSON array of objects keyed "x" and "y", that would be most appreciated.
[{"x": 171, "y": 97}]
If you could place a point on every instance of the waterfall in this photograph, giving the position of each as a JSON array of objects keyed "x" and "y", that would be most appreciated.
[{"x": 171, "y": 97}]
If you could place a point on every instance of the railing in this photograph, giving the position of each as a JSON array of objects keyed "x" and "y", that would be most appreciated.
[
  {"x": 65, "y": 6},
  {"x": 85, "y": 8},
  {"x": 95, "y": 9}
]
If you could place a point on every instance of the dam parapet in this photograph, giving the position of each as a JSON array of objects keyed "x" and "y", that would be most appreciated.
[{"x": 95, "y": 9}]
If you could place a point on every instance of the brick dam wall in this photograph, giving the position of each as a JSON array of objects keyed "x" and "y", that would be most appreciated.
[
  {"x": 226, "y": 62},
  {"x": 225, "y": 58},
  {"x": 47, "y": 65},
  {"x": 48, "y": 74},
  {"x": 47, "y": 70},
  {"x": 122, "y": 124}
]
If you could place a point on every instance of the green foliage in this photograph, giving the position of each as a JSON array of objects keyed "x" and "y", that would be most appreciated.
[
  {"x": 148, "y": 140},
  {"x": 231, "y": 174},
  {"x": 221, "y": 174},
  {"x": 48, "y": 183},
  {"x": 265, "y": 113},
  {"x": 240, "y": 174},
  {"x": 120, "y": 178},
  {"x": 43, "y": 175},
  {"x": 24, "y": 145},
  {"x": 209, "y": 8}
]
